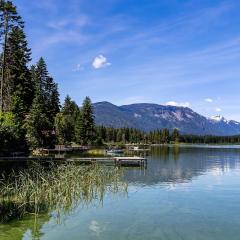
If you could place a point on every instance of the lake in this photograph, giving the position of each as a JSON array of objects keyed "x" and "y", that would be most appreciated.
[{"x": 186, "y": 193}]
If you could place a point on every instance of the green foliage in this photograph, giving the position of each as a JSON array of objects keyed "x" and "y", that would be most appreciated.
[
  {"x": 10, "y": 25},
  {"x": 8, "y": 12},
  {"x": 48, "y": 88},
  {"x": 80, "y": 133},
  {"x": 17, "y": 89},
  {"x": 210, "y": 139},
  {"x": 45, "y": 106},
  {"x": 11, "y": 134},
  {"x": 175, "y": 135},
  {"x": 70, "y": 107},
  {"x": 21, "y": 88},
  {"x": 85, "y": 126},
  {"x": 122, "y": 135},
  {"x": 130, "y": 135},
  {"x": 38, "y": 125},
  {"x": 64, "y": 128},
  {"x": 65, "y": 121}
]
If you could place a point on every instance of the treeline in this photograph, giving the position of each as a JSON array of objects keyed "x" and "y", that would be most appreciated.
[
  {"x": 210, "y": 139},
  {"x": 164, "y": 136},
  {"x": 131, "y": 135}
]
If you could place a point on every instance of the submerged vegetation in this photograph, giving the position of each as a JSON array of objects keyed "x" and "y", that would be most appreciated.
[{"x": 60, "y": 188}]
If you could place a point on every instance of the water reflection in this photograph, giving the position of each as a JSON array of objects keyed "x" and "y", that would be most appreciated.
[{"x": 174, "y": 164}]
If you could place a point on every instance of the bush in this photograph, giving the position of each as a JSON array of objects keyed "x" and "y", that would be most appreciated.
[{"x": 12, "y": 135}]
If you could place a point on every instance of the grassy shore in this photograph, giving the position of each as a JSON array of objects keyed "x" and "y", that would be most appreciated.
[{"x": 55, "y": 188}]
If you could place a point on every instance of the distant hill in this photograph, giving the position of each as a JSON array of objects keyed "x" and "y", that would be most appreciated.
[{"x": 147, "y": 117}]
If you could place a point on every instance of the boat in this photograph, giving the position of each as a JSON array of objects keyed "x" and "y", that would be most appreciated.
[
  {"x": 115, "y": 151},
  {"x": 137, "y": 149}
]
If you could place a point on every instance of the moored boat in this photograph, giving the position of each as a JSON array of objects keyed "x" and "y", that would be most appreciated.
[{"x": 115, "y": 151}]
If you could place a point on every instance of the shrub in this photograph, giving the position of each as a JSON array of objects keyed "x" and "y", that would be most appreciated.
[{"x": 12, "y": 135}]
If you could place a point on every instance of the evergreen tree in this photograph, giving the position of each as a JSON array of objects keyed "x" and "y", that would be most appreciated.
[
  {"x": 45, "y": 106},
  {"x": 80, "y": 131},
  {"x": 9, "y": 19},
  {"x": 39, "y": 128},
  {"x": 65, "y": 121},
  {"x": 70, "y": 108},
  {"x": 175, "y": 135},
  {"x": 19, "y": 77},
  {"x": 48, "y": 89},
  {"x": 101, "y": 132},
  {"x": 165, "y": 136},
  {"x": 85, "y": 126},
  {"x": 62, "y": 128},
  {"x": 52, "y": 100}
]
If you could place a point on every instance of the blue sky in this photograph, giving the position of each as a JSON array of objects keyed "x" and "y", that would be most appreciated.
[{"x": 128, "y": 51}]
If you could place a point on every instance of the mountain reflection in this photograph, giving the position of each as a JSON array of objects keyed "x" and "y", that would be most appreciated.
[{"x": 174, "y": 164}]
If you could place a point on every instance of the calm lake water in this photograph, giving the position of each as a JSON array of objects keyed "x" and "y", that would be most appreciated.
[{"x": 186, "y": 193}]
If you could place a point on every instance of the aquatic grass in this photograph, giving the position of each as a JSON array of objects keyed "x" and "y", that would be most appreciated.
[{"x": 58, "y": 187}]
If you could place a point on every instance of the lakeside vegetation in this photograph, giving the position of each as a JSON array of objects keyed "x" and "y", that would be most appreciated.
[
  {"x": 163, "y": 136},
  {"x": 55, "y": 187}
]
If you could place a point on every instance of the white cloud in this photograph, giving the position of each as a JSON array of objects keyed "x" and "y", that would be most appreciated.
[
  {"x": 67, "y": 36},
  {"x": 94, "y": 226},
  {"x": 100, "y": 62},
  {"x": 178, "y": 104},
  {"x": 78, "y": 68},
  {"x": 209, "y": 100},
  {"x": 218, "y": 109},
  {"x": 58, "y": 24},
  {"x": 80, "y": 21}
]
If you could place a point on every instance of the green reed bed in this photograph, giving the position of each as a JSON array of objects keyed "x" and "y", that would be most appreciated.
[{"x": 60, "y": 187}]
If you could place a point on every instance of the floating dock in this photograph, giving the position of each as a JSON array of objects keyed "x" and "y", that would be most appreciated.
[{"x": 113, "y": 161}]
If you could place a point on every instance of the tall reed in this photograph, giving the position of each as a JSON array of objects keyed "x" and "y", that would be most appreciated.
[{"x": 60, "y": 187}]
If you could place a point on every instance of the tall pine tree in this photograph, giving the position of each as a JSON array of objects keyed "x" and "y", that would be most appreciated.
[
  {"x": 48, "y": 88},
  {"x": 39, "y": 128},
  {"x": 19, "y": 81},
  {"x": 40, "y": 121},
  {"x": 9, "y": 19},
  {"x": 65, "y": 121},
  {"x": 85, "y": 126}
]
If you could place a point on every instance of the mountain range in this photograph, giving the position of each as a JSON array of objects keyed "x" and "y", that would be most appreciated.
[{"x": 148, "y": 117}]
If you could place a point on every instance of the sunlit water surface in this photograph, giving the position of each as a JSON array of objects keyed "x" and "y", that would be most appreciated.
[{"x": 186, "y": 193}]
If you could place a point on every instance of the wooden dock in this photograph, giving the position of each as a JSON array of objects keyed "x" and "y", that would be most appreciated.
[
  {"x": 111, "y": 161},
  {"x": 63, "y": 150},
  {"x": 117, "y": 161}
]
